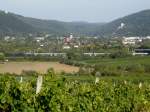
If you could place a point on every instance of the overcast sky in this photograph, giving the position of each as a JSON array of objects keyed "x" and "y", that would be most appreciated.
[{"x": 75, "y": 10}]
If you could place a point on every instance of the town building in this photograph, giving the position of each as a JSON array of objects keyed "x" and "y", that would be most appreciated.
[
  {"x": 66, "y": 47},
  {"x": 38, "y": 39},
  {"x": 131, "y": 40}
]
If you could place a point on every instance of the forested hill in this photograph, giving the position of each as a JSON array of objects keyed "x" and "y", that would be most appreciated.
[
  {"x": 137, "y": 24},
  {"x": 62, "y": 28},
  {"x": 9, "y": 24}
]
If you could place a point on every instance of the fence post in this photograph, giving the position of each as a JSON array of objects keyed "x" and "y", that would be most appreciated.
[
  {"x": 21, "y": 79},
  {"x": 39, "y": 84}
]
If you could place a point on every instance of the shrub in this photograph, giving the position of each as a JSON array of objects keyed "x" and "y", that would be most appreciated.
[
  {"x": 29, "y": 72},
  {"x": 119, "y": 54},
  {"x": 2, "y": 57},
  {"x": 135, "y": 68},
  {"x": 147, "y": 67}
]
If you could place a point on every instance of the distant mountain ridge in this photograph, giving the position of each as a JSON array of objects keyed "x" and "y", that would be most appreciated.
[{"x": 137, "y": 24}]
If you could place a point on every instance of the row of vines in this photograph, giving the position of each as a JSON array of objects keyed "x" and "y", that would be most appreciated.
[{"x": 72, "y": 96}]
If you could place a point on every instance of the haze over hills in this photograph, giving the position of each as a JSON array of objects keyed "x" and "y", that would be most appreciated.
[{"x": 137, "y": 24}]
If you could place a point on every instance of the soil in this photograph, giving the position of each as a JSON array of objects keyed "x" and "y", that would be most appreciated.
[{"x": 41, "y": 67}]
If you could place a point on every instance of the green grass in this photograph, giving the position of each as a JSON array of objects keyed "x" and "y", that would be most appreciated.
[
  {"x": 120, "y": 61},
  {"x": 134, "y": 77}
]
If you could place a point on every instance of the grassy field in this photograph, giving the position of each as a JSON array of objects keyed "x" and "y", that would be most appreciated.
[
  {"x": 134, "y": 66},
  {"x": 41, "y": 67},
  {"x": 120, "y": 61}
]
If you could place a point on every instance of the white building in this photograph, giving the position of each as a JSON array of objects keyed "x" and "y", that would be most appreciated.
[
  {"x": 41, "y": 45},
  {"x": 6, "y": 12},
  {"x": 71, "y": 36},
  {"x": 76, "y": 46},
  {"x": 38, "y": 39},
  {"x": 148, "y": 37},
  {"x": 7, "y": 38},
  {"x": 131, "y": 40},
  {"x": 66, "y": 47}
]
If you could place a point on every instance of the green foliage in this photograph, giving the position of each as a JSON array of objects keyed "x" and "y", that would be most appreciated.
[
  {"x": 29, "y": 72},
  {"x": 113, "y": 67},
  {"x": 59, "y": 28},
  {"x": 51, "y": 72},
  {"x": 145, "y": 44},
  {"x": 67, "y": 96},
  {"x": 135, "y": 68},
  {"x": 120, "y": 54},
  {"x": 2, "y": 56}
]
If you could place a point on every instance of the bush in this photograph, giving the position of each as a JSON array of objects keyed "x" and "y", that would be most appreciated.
[
  {"x": 86, "y": 70},
  {"x": 119, "y": 54},
  {"x": 73, "y": 63},
  {"x": 2, "y": 57},
  {"x": 110, "y": 73},
  {"x": 29, "y": 72},
  {"x": 147, "y": 67},
  {"x": 135, "y": 68}
]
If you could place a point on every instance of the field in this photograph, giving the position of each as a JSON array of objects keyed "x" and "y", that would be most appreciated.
[
  {"x": 120, "y": 61},
  {"x": 41, "y": 67},
  {"x": 77, "y": 92},
  {"x": 64, "y": 95}
]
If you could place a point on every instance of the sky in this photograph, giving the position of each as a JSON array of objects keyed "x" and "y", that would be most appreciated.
[{"x": 75, "y": 10}]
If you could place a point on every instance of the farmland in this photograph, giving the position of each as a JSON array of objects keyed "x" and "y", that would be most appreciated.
[
  {"x": 114, "y": 81},
  {"x": 123, "y": 85},
  {"x": 59, "y": 93},
  {"x": 41, "y": 67},
  {"x": 72, "y": 65},
  {"x": 122, "y": 61}
]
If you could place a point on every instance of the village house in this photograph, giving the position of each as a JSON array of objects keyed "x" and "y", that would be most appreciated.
[
  {"x": 38, "y": 39},
  {"x": 131, "y": 40}
]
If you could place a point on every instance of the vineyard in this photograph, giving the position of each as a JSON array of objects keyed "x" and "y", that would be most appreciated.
[{"x": 61, "y": 94}]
